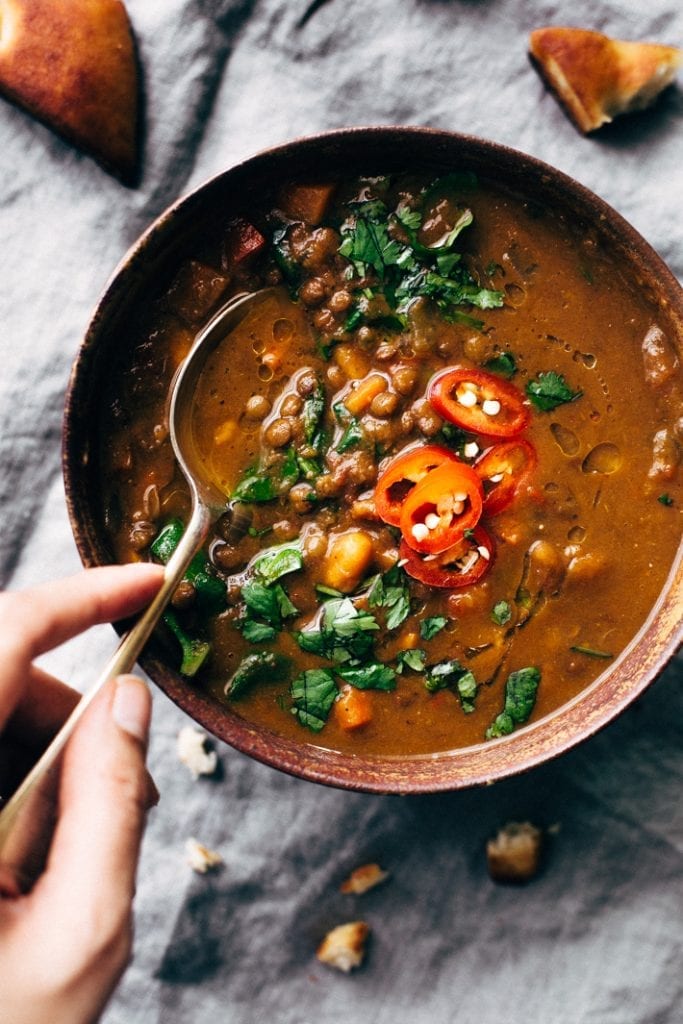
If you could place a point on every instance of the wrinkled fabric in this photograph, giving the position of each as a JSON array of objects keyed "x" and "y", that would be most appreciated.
[{"x": 596, "y": 939}]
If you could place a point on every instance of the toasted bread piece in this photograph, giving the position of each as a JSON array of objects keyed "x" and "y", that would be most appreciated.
[
  {"x": 344, "y": 946},
  {"x": 514, "y": 855},
  {"x": 596, "y": 78},
  {"x": 71, "y": 63}
]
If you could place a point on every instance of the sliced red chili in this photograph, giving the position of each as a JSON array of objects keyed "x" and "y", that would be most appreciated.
[
  {"x": 439, "y": 509},
  {"x": 401, "y": 476},
  {"x": 504, "y": 471},
  {"x": 479, "y": 402},
  {"x": 461, "y": 565}
]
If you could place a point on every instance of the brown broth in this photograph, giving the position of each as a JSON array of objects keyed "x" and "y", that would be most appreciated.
[{"x": 596, "y": 502}]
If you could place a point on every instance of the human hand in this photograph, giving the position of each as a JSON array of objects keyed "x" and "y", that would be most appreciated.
[{"x": 64, "y": 945}]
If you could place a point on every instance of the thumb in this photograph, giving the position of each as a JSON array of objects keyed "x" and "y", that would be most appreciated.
[{"x": 105, "y": 793}]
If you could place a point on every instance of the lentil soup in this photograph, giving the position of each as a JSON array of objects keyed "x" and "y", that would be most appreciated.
[{"x": 449, "y": 444}]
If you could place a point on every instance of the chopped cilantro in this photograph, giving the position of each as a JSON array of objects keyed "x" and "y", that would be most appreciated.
[
  {"x": 503, "y": 364},
  {"x": 430, "y": 627},
  {"x": 467, "y": 691},
  {"x": 373, "y": 676},
  {"x": 413, "y": 658},
  {"x": 390, "y": 591},
  {"x": 449, "y": 674},
  {"x": 520, "y": 696},
  {"x": 255, "y": 486},
  {"x": 549, "y": 390},
  {"x": 344, "y": 634},
  {"x": 270, "y": 603},
  {"x": 665, "y": 499},
  {"x": 272, "y": 563},
  {"x": 501, "y": 613},
  {"x": 257, "y": 632},
  {"x": 352, "y": 436},
  {"x": 313, "y": 694},
  {"x": 194, "y": 651},
  {"x": 255, "y": 668},
  {"x": 411, "y": 269}
]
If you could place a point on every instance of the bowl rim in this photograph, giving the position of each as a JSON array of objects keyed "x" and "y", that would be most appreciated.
[{"x": 593, "y": 708}]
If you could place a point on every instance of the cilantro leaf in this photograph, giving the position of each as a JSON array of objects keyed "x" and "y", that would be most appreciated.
[
  {"x": 449, "y": 675},
  {"x": 313, "y": 694},
  {"x": 194, "y": 650},
  {"x": 391, "y": 591},
  {"x": 255, "y": 668},
  {"x": 501, "y": 613},
  {"x": 344, "y": 634},
  {"x": 272, "y": 563},
  {"x": 257, "y": 632},
  {"x": 431, "y": 626},
  {"x": 255, "y": 486},
  {"x": 270, "y": 603},
  {"x": 503, "y": 364},
  {"x": 373, "y": 676},
  {"x": 414, "y": 658},
  {"x": 520, "y": 696},
  {"x": 549, "y": 390},
  {"x": 665, "y": 499},
  {"x": 352, "y": 436}
]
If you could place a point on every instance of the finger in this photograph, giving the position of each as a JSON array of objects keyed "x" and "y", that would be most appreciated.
[
  {"x": 43, "y": 707},
  {"x": 35, "y": 620},
  {"x": 103, "y": 802}
]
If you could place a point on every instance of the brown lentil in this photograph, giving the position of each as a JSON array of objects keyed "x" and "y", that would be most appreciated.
[
  {"x": 278, "y": 433},
  {"x": 257, "y": 407}
]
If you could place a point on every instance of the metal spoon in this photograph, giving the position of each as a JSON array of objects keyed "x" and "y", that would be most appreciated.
[{"x": 23, "y": 830}]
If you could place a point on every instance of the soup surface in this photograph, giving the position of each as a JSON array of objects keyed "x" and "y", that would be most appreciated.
[{"x": 448, "y": 444}]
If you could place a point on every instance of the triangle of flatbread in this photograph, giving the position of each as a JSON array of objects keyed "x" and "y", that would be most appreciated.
[
  {"x": 71, "y": 63},
  {"x": 596, "y": 77}
]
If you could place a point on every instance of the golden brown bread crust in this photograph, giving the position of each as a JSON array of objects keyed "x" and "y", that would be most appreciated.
[
  {"x": 71, "y": 63},
  {"x": 596, "y": 77}
]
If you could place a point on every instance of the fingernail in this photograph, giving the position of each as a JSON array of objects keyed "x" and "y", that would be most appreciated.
[{"x": 131, "y": 707}]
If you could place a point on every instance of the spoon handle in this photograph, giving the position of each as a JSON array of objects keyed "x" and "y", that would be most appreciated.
[{"x": 27, "y": 818}]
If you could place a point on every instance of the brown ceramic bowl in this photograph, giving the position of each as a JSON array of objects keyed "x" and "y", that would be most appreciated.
[{"x": 368, "y": 150}]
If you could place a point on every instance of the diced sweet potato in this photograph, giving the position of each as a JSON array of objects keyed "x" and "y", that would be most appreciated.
[
  {"x": 353, "y": 709},
  {"x": 306, "y": 202},
  {"x": 360, "y": 398},
  {"x": 347, "y": 559},
  {"x": 195, "y": 291}
]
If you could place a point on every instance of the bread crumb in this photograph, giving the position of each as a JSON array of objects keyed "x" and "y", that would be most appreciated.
[
  {"x": 193, "y": 753},
  {"x": 515, "y": 853},
  {"x": 364, "y": 878},
  {"x": 200, "y": 858},
  {"x": 344, "y": 946}
]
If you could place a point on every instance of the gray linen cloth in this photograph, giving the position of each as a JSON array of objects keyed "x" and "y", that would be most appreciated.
[{"x": 596, "y": 939}]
